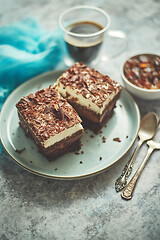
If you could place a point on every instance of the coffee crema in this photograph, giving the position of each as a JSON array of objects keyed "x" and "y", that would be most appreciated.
[{"x": 84, "y": 49}]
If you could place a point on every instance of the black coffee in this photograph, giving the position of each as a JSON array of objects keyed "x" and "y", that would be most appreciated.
[{"x": 84, "y": 49}]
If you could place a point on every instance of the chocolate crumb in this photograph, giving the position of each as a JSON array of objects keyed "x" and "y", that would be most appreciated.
[
  {"x": 19, "y": 151},
  {"x": 103, "y": 139},
  {"x": 126, "y": 136},
  {"x": 80, "y": 162},
  {"x": 82, "y": 152},
  {"x": 77, "y": 153},
  {"x": 61, "y": 113},
  {"x": 73, "y": 99},
  {"x": 116, "y": 139},
  {"x": 55, "y": 169},
  {"x": 120, "y": 105},
  {"x": 100, "y": 158}
]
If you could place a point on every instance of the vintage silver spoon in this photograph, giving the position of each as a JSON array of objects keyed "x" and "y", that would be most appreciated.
[
  {"x": 129, "y": 189},
  {"x": 148, "y": 127}
]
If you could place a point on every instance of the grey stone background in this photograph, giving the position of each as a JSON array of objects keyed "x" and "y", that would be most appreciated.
[{"x": 32, "y": 207}]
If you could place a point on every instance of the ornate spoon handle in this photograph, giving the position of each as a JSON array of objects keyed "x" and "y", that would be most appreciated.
[
  {"x": 121, "y": 182},
  {"x": 129, "y": 189}
]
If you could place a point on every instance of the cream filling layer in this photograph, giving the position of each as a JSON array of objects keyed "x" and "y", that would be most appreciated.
[
  {"x": 85, "y": 102},
  {"x": 62, "y": 135}
]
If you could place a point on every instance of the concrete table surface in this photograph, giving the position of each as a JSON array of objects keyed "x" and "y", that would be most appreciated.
[{"x": 33, "y": 207}]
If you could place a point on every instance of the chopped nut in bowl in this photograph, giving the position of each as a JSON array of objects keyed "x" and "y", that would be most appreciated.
[{"x": 141, "y": 75}]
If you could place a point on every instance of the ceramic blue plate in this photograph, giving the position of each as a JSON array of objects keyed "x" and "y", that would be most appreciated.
[{"x": 96, "y": 154}]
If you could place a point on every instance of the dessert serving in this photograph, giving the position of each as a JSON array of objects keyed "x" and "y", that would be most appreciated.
[
  {"x": 97, "y": 152},
  {"x": 51, "y": 121},
  {"x": 92, "y": 94}
]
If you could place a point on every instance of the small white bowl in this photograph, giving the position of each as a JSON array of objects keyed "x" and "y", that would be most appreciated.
[{"x": 143, "y": 93}]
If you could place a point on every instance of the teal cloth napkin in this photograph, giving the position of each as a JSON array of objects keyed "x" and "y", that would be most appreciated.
[{"x": 26, "y": 50}]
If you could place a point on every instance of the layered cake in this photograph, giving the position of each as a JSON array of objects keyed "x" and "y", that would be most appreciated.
[
  {"x": 92, "y": 94},
  {"x": 51, "y": 121}
]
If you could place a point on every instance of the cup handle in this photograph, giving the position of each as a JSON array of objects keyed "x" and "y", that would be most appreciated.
[
  {"x": 117, "y": 34},
  {"x": 116, "y": 42}
]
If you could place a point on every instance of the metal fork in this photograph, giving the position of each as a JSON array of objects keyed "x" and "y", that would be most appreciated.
[{"x": 129, "y": 189}]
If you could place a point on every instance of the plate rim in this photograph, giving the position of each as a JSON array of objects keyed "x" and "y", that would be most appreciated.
[{"x": 50, "y": 176}]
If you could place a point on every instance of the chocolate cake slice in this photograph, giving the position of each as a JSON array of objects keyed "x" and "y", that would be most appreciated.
[
  {"x": 51, "y": 121},
  {"x": 92, "y": 94}
]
